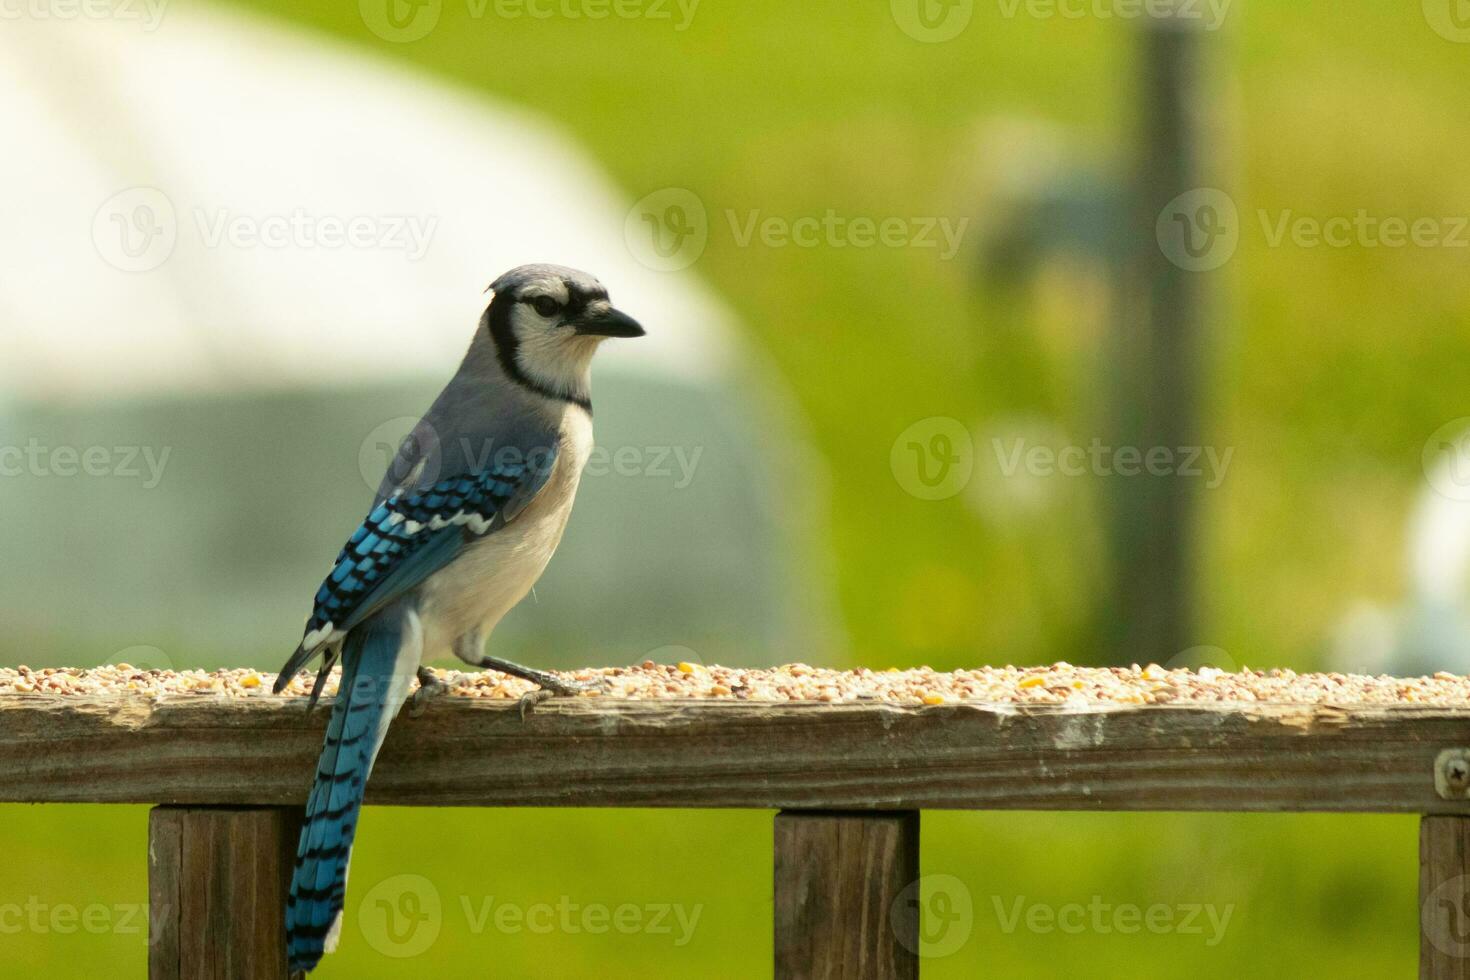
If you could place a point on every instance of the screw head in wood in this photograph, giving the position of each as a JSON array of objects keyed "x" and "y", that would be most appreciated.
[{"x": 1452, "y": 774}]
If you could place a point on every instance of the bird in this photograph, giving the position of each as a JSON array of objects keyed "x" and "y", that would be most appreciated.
[{"x": 464, "y": 522}]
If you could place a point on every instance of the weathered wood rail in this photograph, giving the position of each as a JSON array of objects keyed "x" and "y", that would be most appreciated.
[{"x": 848, "y": 778}]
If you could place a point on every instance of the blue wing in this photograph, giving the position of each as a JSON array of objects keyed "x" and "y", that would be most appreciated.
[{"x": 410, "y": 536}]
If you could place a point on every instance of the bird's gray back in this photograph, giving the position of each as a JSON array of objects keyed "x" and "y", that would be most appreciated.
[{"x": 476, "y": 422}]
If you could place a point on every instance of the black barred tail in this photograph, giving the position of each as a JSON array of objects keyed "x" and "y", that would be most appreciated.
[{"x": 378, "y": 663}]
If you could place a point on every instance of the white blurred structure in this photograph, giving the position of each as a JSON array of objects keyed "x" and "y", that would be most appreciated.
[
  {"x": 261, "y": 252},
  {"x": 1431, "y": 631},
  {"x": 217, "y": 130}
]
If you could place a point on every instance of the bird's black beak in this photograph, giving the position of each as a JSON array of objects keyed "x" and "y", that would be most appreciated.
[{"x": 606, "y": 321}]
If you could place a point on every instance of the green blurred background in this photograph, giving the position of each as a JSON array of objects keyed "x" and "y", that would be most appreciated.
[{"x": 1329, "y": 370}]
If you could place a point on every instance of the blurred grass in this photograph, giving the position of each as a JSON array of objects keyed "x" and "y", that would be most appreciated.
[
  {"x": 1293, "y": 895},
  {"x": 1333, "y": 368}
]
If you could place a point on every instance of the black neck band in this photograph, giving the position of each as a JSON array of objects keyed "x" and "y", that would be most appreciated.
[{"x": 497, "y": 321}]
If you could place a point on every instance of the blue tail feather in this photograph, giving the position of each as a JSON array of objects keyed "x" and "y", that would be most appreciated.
[{"x": 378, "y": 662}]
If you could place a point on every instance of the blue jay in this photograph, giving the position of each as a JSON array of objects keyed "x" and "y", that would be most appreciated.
[{"x": 465, "y": 520}]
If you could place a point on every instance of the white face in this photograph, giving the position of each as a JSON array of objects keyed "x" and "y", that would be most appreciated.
[{"x": 549, "y": 347}]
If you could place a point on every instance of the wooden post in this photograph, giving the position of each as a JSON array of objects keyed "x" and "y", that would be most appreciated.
[
  {"x": 1158, "y": 367},
  {"x": 837, "y": 877},
  {"x": 1444, "y": 898},
  {"x": 217, "y": 880}
]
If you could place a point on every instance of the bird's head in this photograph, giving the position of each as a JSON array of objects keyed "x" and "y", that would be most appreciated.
[{"x": 546, "y": 322}]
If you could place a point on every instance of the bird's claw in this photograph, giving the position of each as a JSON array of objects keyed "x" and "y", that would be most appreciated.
[
  {"x": 554, "y": 687},
  {"x": 530, "y": 699},
  {"x": 430, "y": 687}
]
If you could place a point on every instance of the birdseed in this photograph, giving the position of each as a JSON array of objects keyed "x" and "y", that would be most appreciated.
[{"x": 1057, "y": 684}]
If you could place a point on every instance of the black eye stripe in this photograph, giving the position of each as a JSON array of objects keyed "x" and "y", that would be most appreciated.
[{"x": 575, "y": 304}]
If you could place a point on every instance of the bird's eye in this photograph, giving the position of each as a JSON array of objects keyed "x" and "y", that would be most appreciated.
[{"x": 545, "y": 305}]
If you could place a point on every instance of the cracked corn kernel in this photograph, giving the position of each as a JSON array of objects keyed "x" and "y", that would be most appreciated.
[
  {"x": 250, "y": 680},
  {"x": 933, "y": 699},
  {"x": 685, "y": 667},
  {"x": 1035, "y": 680}
]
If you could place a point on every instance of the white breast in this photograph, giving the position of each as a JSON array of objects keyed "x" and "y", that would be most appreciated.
[{"x": 494, "y": 573}]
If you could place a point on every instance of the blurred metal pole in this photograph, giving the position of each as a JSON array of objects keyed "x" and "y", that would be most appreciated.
[{"x": 1159, "y": 342}]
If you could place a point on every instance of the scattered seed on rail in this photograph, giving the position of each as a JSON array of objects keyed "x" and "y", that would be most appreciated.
[{"x": 1058, "y": 684}]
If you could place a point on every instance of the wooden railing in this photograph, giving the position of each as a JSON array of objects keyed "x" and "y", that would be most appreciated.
[{"x": 229, "y": 777}]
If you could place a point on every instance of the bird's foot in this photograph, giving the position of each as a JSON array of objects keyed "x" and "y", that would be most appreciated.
[
  {"x": 548, "y": 685},
  {"x": 530, "y": 699},
  {"x": 551, "y": 686},
  {"x": 430, "y": 688}
]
